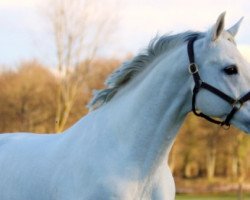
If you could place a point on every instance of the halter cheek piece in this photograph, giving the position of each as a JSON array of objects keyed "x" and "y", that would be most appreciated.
[{"x": 199, "y": 84}]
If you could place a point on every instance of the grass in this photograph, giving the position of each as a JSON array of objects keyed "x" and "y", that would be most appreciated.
[{"x": 210, "y": 197}]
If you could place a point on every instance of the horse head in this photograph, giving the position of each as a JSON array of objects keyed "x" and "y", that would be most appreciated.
[{"x": 221, "y": 77}]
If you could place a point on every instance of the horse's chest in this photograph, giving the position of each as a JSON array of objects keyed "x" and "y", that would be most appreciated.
[{"x": 158, "y": 187}]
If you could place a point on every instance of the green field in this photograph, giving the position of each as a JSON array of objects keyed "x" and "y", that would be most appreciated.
[{"x": 207, "y": 197}]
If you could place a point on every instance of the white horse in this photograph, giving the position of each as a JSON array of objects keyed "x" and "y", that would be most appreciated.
[{"x": 120, "y": 149}]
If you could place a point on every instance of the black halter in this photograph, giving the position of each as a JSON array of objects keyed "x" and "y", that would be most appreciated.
[{"x": 199, "y": 84}]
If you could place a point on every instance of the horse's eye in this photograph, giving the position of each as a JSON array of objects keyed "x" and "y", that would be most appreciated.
[{"x": 231, "y": 70}]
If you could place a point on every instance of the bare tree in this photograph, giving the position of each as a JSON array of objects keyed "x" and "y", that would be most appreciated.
[
  {"x": 212, "y": 138},
  {"x": 27, "y": 101},
  {"x": 80, "y": 28}
]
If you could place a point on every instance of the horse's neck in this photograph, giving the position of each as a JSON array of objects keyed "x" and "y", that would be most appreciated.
[{"x": 145, "y": 118}]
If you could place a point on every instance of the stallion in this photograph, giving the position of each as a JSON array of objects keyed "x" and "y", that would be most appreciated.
[{"x": 119, "y": 150}]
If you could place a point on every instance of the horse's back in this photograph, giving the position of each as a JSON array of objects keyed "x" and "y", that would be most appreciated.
[
  {"x": 20, "y": 142},
  {"x": 15, "y": 138}
]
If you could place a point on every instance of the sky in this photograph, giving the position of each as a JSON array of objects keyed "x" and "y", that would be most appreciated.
[{"x": 23, "y": 33}]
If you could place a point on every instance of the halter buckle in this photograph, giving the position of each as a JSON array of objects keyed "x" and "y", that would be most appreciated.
[{"x": 193, "y": 68}]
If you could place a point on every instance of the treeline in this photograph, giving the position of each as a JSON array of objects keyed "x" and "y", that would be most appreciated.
[
  {"x": 28, "y": 103},
  {"x": 205, "y": 150},
  {"x": 29, "y": 94}
]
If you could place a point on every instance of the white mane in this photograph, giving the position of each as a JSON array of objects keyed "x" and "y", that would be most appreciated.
[{"x": 131, "y": 68}]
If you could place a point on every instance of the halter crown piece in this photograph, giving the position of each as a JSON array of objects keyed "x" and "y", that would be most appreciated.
[{"x": 199, "y": 84}]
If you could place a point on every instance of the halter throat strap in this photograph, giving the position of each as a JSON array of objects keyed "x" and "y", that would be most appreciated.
[{"x": 199, "y": 84}]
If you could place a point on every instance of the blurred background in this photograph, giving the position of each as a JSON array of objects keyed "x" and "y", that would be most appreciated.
[{"x": 54, "y": 53}]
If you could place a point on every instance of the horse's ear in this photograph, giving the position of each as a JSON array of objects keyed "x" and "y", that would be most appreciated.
[
  {"x": 234, "y": 29},
  {"x": 217, "y": 28}
]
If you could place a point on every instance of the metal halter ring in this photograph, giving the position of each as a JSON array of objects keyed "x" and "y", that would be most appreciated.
[
  {"x": 237, "y": 104},
  {"x": 193, "y": 68},
  {"x": 225, "y": 126},
  {"x": 198, "y": 112}
]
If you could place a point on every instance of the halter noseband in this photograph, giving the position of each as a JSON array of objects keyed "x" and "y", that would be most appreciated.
[{"x": 199, "y": 84}]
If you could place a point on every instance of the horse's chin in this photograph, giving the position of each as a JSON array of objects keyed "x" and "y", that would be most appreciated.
[{"x": 245, "y": 127}]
